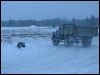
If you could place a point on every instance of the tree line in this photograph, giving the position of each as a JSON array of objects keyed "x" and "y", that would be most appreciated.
[{"x": 93, "y": 21}]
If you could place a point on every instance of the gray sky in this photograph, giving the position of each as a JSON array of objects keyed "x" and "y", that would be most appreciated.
[{"x": 39, "y": 10}]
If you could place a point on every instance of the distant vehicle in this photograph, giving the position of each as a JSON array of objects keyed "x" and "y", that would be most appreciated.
[{"x": 70, "y": 33}]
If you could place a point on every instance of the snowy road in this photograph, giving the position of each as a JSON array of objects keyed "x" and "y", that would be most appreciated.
[{"x": 41, "y": 57}]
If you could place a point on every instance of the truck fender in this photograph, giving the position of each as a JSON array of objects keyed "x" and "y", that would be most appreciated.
[{"x": 53, "y": 35}]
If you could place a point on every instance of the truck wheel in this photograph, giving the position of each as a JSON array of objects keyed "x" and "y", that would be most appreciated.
[
  {"x": 68, "y": 43},
  {"x": 86, "y": 43},
  {"x": 55, "y": 41}
]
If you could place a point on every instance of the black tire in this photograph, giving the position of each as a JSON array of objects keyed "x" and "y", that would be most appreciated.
[
  {"x": 86, "y": 43},
  {"x": 20, "y": 44},
  {"x": 55, "y": 41},
  {"x": 68, "y": 43}
]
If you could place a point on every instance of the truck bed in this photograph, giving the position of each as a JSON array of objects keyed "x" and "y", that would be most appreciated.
[
  {"x": 85, "y": 31},
  {"x": 79, "y": 30}
]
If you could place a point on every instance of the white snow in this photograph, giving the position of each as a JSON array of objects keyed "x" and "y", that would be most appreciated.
[{"x": 41, "y": 57}]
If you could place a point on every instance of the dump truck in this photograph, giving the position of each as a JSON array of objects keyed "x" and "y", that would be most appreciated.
[{"x": 71, "y": 33}]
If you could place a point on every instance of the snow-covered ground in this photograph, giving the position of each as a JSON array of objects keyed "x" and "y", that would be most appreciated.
[
  {"x": 27, "y": 31},
  {"x": 41, "y": 57}
]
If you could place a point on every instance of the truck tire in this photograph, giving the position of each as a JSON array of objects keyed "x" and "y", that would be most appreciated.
[
  {"x": 68, "y": 43},
  {"x": 55, "y": 41},
  {"x": 86, "y": 43}
]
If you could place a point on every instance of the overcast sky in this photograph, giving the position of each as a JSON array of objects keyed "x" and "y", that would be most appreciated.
[{"x": 39, "y": 10}]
